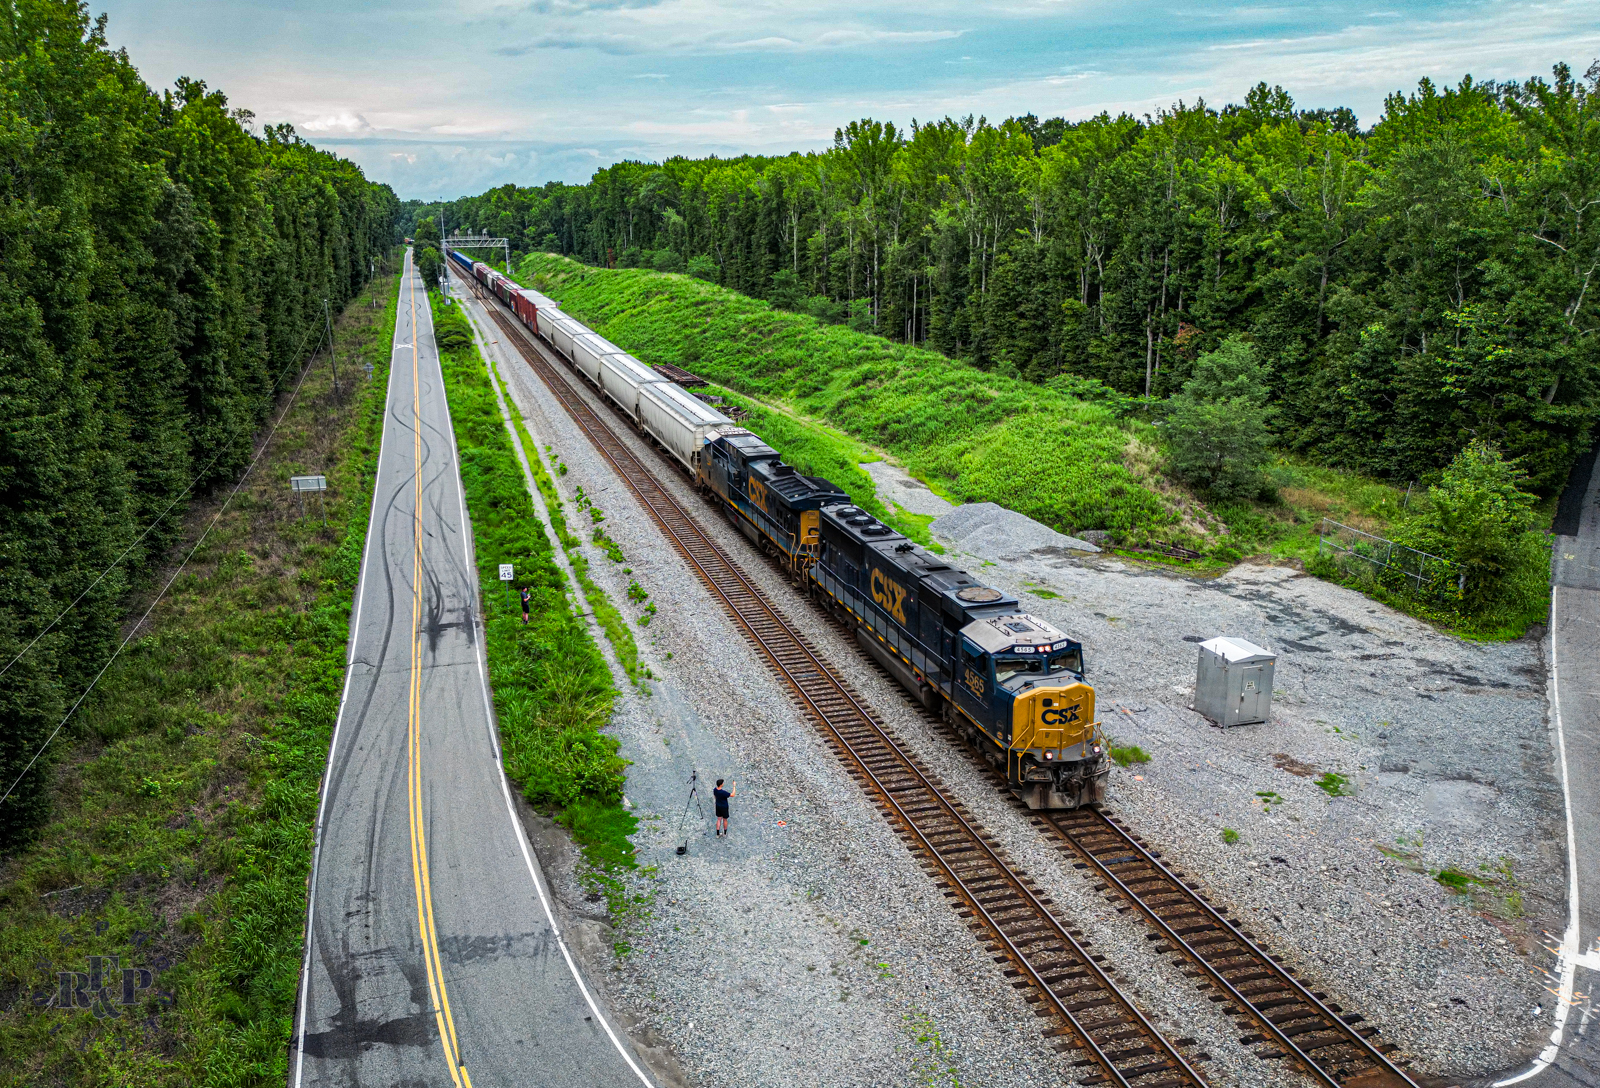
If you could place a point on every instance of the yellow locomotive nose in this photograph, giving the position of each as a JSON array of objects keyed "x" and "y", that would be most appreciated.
[
  {"x": 1057, "y": 755},
  {"x": 1055, "y": 720}
]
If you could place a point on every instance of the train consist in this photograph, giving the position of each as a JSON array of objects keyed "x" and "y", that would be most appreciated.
[{"x": 1010, "y": 682}]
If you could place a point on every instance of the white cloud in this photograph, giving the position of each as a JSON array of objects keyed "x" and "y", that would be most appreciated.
[{"x": 442, "y": 97}]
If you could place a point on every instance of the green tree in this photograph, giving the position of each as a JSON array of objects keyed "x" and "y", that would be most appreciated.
[
  {"x": 1217, "y": 428},
  {"x": 1478, "y": 517},
  {"x": 429, "y": 266}
]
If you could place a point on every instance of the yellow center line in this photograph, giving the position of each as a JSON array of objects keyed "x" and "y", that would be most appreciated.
[{"x": 419, "y": 846}]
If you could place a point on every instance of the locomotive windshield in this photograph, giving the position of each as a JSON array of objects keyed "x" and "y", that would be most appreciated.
[
  {"x": 1011, "y": 671},
  {"x": 1068, "y": 660}
]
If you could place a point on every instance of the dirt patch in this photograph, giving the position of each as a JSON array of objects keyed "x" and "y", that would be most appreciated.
[{"x": 1285, "y": 762}]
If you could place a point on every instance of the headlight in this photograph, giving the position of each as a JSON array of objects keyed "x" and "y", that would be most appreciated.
[
  {"x": 1097, "y": 749},
  {"x": 1049, "y": 755}
]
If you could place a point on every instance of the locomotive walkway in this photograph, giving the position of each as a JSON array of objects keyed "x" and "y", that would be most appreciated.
[{"x": 433, "y": 957}]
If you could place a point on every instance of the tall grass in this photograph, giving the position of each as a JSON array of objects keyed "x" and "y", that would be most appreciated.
[
  {"x": 976, "y": 436},
  {"x": 553, "y": 693}
]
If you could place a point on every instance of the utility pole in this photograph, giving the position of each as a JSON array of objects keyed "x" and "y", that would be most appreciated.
[{"x": 333, "y": 364}]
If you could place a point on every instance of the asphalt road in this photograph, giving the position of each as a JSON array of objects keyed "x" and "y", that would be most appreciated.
[
  {"x": 433, "y": 958},
  {"x": 1572, "y": 1059}
]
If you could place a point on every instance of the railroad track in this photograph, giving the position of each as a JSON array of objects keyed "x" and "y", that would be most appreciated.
[
  {"x": 1281, "y": 1016},
  {"x": 1284, "y": 1017},
  {"x": 1053, "y": 963}
]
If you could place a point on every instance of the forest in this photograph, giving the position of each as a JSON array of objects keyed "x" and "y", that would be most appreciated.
[
  {"x": 164, "y": 267},
  {"x": 1407, "y": 289}
]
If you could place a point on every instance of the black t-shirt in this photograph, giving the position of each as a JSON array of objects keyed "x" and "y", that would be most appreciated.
[
  {"x": 526, "y": 597},
  {"x": 722, "y": 801}
]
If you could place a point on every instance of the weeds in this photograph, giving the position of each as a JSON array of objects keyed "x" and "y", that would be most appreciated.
[
  {"x": 1130, "y": 754},
  {"x": 933, "y": 1065},
  {"x": 1230, "y": 836},
  {"x": 1334, "y": 784}
]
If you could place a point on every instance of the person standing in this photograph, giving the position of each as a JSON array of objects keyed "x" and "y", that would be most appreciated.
[
  {"x": 723, "y": 796},
  {"x": 527, "y": 598}
]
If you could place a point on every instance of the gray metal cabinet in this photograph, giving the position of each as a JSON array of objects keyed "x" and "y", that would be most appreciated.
[{"x": 1234, "y": 683}]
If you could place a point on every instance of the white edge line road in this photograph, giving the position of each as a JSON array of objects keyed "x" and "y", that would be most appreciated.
[
  {"x": 1567, "y": 963},
  {"x": 494, "y": 739},
  {"x": 333, "y": 744},
  {"x": 505, "y": 784}
]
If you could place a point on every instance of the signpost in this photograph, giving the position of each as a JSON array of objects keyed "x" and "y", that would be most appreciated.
[
  {"x": 301, "y": 484},
  {"x": 506, "y": 575}
]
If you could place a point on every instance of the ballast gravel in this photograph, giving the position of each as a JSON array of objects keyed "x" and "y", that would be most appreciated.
[{"x": 808, "y": 947}]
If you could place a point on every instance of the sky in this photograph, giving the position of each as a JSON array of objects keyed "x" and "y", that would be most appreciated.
[{"x": 445, "y": 98}]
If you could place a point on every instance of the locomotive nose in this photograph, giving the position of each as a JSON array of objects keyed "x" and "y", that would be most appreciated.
[{"x": 1056, "y": 718}]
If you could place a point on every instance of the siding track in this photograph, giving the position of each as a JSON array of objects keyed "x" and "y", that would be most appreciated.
[
  {"x": 1064, "y": 980},
  {"x": 1289, "y": 1019}
]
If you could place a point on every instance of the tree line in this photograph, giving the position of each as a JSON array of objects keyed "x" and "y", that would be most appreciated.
[
  {"x": 1408, "y": 289},
  {"x": 163, "y": 267}
]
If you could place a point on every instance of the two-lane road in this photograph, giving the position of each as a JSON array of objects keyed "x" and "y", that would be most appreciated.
[{"x": 432, "y": 957}]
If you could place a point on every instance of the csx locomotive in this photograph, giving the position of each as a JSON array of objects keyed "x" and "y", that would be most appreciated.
[{"x": 1010, "y": 682}]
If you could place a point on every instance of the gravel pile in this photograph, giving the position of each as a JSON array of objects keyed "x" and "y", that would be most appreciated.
[
  {"x": 751, "y": 966},
  {"x": 895, "y": 485},
  {"x": 989, "y": 531}
]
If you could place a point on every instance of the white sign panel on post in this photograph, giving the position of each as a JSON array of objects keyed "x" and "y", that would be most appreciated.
[{"x": 505, "y": 572}]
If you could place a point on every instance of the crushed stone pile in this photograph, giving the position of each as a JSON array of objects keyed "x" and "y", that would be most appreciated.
[{"x": 990, "y": 531}]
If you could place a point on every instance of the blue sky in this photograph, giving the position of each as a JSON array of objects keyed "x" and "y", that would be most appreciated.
[{"x": 441, "y": 98}]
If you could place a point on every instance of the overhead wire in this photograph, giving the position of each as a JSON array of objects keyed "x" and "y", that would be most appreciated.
[
  {"x": 162, "y": 516},
  {"x": 159, "y": 596}
]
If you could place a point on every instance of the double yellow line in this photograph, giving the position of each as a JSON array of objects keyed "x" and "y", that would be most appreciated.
[{"x": 419, "y": 843}]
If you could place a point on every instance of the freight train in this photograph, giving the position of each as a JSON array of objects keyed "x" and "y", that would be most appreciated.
[{"x": 1010, "y": 682}]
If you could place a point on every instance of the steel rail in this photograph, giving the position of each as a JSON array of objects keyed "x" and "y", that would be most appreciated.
[
  {"x": 1256, "y": 958},
  {"x": 805, "y": 672}
]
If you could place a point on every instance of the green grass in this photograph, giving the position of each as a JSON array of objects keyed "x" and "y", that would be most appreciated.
[
  {"x": 605, "y": 612},
  {"x": 1128, "y": 755},
  {"x": 975, "y": 436},
  {"x": 183, "y": 811},
  {"x": 1230, "y": 836},
  {"x": 1334, "y": 784},
  {"x": 553, "y": 692}
]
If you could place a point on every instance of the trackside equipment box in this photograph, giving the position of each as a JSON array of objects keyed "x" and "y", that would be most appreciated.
[{"x": 1234, "y": 684}]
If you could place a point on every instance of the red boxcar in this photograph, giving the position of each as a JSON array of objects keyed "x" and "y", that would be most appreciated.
[{"x": 525, "y": 310}]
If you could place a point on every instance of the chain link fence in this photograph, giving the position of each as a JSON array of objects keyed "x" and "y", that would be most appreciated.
[{"x": 1391, "y": 565}]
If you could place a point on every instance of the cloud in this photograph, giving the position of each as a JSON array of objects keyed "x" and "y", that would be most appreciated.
[{"x": 534, "y": 90}]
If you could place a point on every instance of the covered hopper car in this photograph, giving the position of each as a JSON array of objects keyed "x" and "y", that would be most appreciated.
[{"x": 1010, "y": 682}]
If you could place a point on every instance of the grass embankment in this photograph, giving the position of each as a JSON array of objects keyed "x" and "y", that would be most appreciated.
[
  {"x": 186, "y": 797},
  {"x": 975, "y": 436},
  {"x": 553, "y": 693}
]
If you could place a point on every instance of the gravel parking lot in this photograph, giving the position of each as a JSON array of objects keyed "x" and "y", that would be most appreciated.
[{"x": 809, "y": 946}]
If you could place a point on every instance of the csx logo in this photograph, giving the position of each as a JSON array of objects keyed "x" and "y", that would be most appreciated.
[
  {"x": 758, "y": 494},
  {"x": 1061, "y": 715},
  {"x": 890, "y": 594},
  {"x": 974, "y": 683}
]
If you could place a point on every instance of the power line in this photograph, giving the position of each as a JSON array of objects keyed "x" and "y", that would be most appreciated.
[
  {"x": 118, "y": 653},
  {"x": 161, "y": 517}
]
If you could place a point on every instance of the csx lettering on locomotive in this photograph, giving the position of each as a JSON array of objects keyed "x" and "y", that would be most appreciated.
[
  {"x": 1061, "y": 715},
  {"x": 890, "y": 594}
]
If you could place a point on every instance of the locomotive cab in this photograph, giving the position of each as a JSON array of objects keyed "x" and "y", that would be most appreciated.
[{"x": 1022, "y": 683}]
